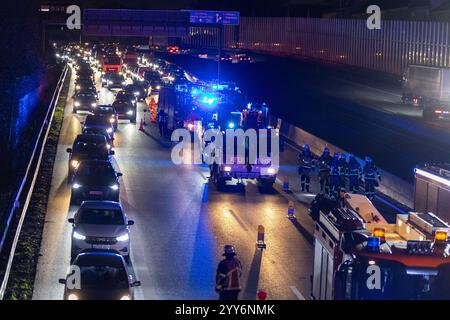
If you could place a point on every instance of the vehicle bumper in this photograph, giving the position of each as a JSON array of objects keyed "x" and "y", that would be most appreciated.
[
  {"x": 82, "y": 194},
  {"x": 122, "y": 247}
]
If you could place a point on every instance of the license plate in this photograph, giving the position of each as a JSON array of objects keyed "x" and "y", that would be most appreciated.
[
  {"x": 101, "y": 246},
  {"x": 96, "y": 193}
]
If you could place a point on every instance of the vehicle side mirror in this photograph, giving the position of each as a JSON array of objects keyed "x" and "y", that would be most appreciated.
[
  {"x": 136, "y": 284},
  {"x": 69, "y": 150},
  {"x": 130, "y": 222},
  {"x": 62, "y": 281},
  {"x": 119, "y": 174},
  {"x": 112, "y": 152},
  {"x": 71, "y": 220}
]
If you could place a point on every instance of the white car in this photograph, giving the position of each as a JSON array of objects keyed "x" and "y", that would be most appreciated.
[{"x": 101, "y": 225}]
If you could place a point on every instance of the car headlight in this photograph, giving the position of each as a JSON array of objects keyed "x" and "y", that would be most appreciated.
[
  {"x": 109, "y": 130},
  {"x": 124, "y": 82},
  {"x": 72, "y": 296},
  {"x": 133, "y": 101},
  {"x": 110, "y": 82},
  {"x": 93, "y": 104},
  {"x": 123, "y": 237},
  {"x": 77, "y": 104},
  {"x": 271, "y": 170},
  {"x": 227, "y": 168},
  {"x": 76, "y": 186},
  {"x": 158, "y": 87},
  {"x": 112, "y": 120},
  {"x": 74, "y": 163},
  {"x": 108, "y": 146},
  {"x": 136, "y": 93},
  {"x": 78, "y": 87},
  {"x": 115, "y": 187},
  {"x": 190, "y": 126},
  {"x": 79, "y": 236},
  {"x": 125, "y": 297},
  {"x": 130, "y": 112}
]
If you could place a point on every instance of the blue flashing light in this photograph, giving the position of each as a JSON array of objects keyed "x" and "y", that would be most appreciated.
[
  {"x": 230, "y": 125},
  {"x": 373, "y": 244},
  {"x": 208, "y": 99},
  {"x": 249, "y": 105}
]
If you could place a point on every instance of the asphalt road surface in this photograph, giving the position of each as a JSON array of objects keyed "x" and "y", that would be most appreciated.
[
  {"x": 181, "y": 224},
  {"x": 359, "y": 111}
]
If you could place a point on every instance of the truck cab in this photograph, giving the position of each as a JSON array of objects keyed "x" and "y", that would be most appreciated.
[{"x": 358, "y": 255}]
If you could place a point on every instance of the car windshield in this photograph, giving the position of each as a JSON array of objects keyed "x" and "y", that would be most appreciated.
[
  {"x": 103, "y": 277},
  {"x": 112, "y": 60},
  {"x": 101, "y": 216},
  {"x": 101, "y": 109},
  {"x": 124, "y": 95},
  {"x": 90, "y": 148},
  {"x": 96, "y": 121},
  {"x": 92, "y": 170}
]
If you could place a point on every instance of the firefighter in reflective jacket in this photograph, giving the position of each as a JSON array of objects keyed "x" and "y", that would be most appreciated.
[
  {"x": 371, "y": 173},
  {"x": 161, "y": 117},
  {"x": 342, "y": 169},
  {"x": 228, "y": 276},
  {"x": 353, "y": 173},
  {"x": 306, "y": 166},
  {"x": 334, "y": 176},
  {"x": 324, "y": 170}
]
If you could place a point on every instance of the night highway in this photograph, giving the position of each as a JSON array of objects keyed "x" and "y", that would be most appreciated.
[{"x": 263, "y": 154}]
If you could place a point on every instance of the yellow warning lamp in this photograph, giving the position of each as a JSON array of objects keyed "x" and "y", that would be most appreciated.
[
  {"x": 380, "y": 233},
  {"x": 440, "y": 236}
]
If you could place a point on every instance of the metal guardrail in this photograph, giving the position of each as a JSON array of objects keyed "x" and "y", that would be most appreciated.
[{"x": 40, "y": 141}]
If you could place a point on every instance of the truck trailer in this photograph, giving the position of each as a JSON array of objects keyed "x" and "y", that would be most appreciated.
[{"x": 429, "y": 88}]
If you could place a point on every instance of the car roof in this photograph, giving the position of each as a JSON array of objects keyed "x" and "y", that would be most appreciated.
[
  {"x": 100, "y": 204},
  {"x": 98, "y": 257}
]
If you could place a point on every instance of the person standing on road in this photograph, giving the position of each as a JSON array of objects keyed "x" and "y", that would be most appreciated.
[
  {"x": 228, "y": 276},
  {"x": 353, "y": 173},
  {"x": 306, "y": 166},
  {"x": 334, "y": 176},
  {"x": 371, "y": 173},
  {"x": 324, "y": 170},
  {"x": 342, "y": 169},
  {"x": 162, "y": 120}
]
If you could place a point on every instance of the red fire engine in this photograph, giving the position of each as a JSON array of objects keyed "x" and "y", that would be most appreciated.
[{"x": 359, "y": 255}]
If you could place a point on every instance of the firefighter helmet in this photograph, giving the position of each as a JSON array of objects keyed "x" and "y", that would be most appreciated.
[
  {"x": 306, "y": 147},
  {"x": 229, "y": 250},
  {"x": 326, "y": 150}
]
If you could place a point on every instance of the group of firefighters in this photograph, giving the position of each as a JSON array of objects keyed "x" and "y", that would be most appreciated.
[{"x": 334, "y": 171}]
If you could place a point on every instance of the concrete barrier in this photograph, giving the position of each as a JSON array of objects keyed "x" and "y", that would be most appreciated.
[{"x": 391, "y": 185}]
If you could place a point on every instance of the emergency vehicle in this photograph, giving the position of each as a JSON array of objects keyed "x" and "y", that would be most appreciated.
[
  {"x": 360, "y": 255},
  {"x": 253, "y": 116},
  {"x": 432, "y": 190},
  {"x": 112, "y": 63}
]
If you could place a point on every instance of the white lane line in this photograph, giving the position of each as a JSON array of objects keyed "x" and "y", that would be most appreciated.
[{"x": 297, "y": 293}]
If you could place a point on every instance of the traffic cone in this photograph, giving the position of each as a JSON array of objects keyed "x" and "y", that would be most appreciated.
[
  {"x": 286, "y": 184},
  {"x": 291, "y": 210},
  {"x": 141, "y": 126}
]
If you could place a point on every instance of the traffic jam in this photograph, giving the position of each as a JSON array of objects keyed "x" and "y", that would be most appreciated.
[{"x": 355, "y": 241}]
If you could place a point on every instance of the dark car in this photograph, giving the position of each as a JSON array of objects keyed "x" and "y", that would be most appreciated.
[
  {"x": 95, "y": 180},
  {"x": 88, "y": 147},
  {"x": 113, "y": 80},
  {"x": 102, "y": 132},
  {"x": 125, "y": 110},
  {"x": 107, "y": 111},
  {"x": 137, "y": 89},
  {"x": 123, "y": 95},
  {"x": 84, "y": 101},
  {"x": 154, "y": 79},
  {"x": 99, "y": 122},
  {"x": 102, "y": 275}
]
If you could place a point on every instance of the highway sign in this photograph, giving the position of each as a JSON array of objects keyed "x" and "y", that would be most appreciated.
[{"x": 214, "y": 17}]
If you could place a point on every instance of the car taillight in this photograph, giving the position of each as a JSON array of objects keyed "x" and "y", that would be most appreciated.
[{"x": 438, "y": 111}]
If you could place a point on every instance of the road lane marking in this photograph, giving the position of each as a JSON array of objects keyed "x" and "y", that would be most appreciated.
[
  {"x": 238, "y": 219},
  {"x": 297, "y": 293}
]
